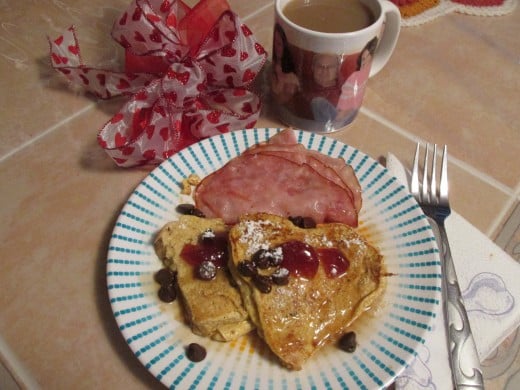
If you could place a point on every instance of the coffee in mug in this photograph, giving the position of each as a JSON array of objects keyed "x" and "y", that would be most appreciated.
[
  {"x": 329, "y": 16},
  {"x": 323, "y": 56}
]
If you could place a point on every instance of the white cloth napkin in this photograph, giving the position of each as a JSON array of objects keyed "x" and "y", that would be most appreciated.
[{"x": 489, "y": 281}]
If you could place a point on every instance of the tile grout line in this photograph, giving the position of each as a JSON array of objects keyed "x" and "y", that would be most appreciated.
[
  {"x": 16, "y": 368},
  {"x": 62, "y": 122},
  {"x": 501, "y": 217},
  {"x": 513, "y": 194},
  {"x": 461, "y": 164},
  {"x": 258, "y": 11},
  {"x": 44, "y": 133}
]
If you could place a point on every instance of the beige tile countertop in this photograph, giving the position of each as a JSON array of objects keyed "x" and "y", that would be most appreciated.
[{"x": 454, "y": 81}]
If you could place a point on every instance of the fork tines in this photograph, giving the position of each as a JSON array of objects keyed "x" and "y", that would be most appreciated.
[{"x": 428, "y": 192}]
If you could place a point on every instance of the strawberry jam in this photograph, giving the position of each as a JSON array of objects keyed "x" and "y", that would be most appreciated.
[
  {"x": 334, "y": 262},
  {"x": 300, "y": 259},
  {"x": 303, "y": 260},
  {"x": 214, "y": 249}
]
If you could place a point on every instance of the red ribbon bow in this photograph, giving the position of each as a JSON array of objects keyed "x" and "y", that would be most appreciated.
[{"x": 187, "y": 71}]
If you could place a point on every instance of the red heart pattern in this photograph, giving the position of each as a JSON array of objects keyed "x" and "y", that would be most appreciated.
[
  {"x": 220, "y": 98},
  {"x": 123, "y": 84},
  {"x": 117, "y": 118},
  {"x": 150, "y": 130},
  {"x": 139, "y": 37},
  {"x": 120, "y": 140},
  {"x": 164, "y": 133},
  {"x": 155, "y": 36},
  {"x": 149, "y": 154},
  {"x": 101, "y": 78},
  {"x": 186, "y": 102},
  {"x": 182, "y": 77},
  {"x": 165, "y": 6},
  {"x": 122, "y": 20},
  {"x": 246, "y": 31},
  {"x": 223, "y": 128},
  {"x": 74, "y": 49},
  {"x": 137, "y": 14},
  {"x": 213, "y": 116},
  {"x": 249, "y": 75},
  {"x": 141, "y": 95},
  {"x": 247, "y": 108},
  {"x": 128, "y": 150},
  {"x": 228, "y": 51},
  {"x": 85, "y": 80},
  {"x": 229, "y": 69}
]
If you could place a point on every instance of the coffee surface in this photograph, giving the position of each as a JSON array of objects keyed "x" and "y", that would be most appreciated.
[{"x": 329, "y": 16}]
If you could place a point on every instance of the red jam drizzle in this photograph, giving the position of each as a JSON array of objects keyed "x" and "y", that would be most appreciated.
[
  {"x": 214, "y": 250},
  {"x": 303, "y": 260},
  {"x": 300, "y": 259},
  {"x": 334, "y": 262}
]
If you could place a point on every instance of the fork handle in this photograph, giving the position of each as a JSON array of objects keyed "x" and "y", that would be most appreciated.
[{"x": 464, "y": 360}]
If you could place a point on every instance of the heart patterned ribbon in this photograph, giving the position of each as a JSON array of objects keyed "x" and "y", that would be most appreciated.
[{"x": 187, "y": 72}]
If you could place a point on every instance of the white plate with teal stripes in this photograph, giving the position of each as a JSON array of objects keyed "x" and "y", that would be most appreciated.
[{"x": 387, "y": 337}]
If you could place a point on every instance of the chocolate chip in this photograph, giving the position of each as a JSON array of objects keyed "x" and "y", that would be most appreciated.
[
  {"x": 207, "y": 270},
  {"x": 280, "y": 276},
  {"x": 185, "y": 208},
  {"x": 303, "y": 222},
  {"x": 196, "y": 352},
  {"x": 265, "y": 258},
  {"x": 276, "y": 256},
  {"x": 262, "y": 283},
  {"x": 189, "y": 209},
  {"x": 297, "y": 220},
  {"x": 246, "y": 268},
  {"x": 308, "y": 223},
  {"x": 207, "y": 236},
  {"x": 165, "y": 276},
  {"x": 347, "y": 342},
  {"x": 261, "y": 258},
  {"x": 197, "y": 213},
  {"x": 167, "y": 293}
]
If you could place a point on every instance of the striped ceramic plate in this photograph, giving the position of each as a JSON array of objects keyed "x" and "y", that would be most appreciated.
[{"x": 387, "y": 338}]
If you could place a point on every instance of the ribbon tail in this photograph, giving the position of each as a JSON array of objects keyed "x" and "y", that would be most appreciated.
[
  {"x": 145, "y": 130},
  {"x": 66, "y": 58}
]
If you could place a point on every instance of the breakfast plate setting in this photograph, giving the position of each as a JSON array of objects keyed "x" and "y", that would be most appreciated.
[{"x": 387, "y": 336}]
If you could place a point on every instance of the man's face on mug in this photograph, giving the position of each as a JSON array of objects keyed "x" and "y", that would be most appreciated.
[{"x": 325, "y": 70}]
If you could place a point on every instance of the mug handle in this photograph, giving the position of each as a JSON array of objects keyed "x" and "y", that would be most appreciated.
[{"x": 391, "y": 29}]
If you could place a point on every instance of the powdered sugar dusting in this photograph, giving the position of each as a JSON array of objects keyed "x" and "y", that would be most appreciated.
[
  {"x": 323, "y": 241},
  {"x": 253, "y": 233},
  {"x": 357, "y": 244}
]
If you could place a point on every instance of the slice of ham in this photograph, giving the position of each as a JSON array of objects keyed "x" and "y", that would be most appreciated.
[
  {"x": 258, "y": 182},
  {"x": 302, "y": 157},
  {"x": 284, "y": 144},
  {"x": 284, "y": 137}
]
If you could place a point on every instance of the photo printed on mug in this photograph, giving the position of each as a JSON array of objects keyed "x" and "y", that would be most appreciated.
[
  {"x": 324, "y": 52},
  {"x": 327, "y": 88}
]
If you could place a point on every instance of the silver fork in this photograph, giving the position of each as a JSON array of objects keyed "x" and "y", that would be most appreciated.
[{"x": 464, "y": 361}]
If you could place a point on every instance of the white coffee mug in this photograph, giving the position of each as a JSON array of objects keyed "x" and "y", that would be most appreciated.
[{"x": 317, "y": 78}]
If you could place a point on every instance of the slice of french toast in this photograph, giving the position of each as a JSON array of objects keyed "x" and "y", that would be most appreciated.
[
  {"x": 334, "y": 276},
  {"x": 213, "y": 308}
]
